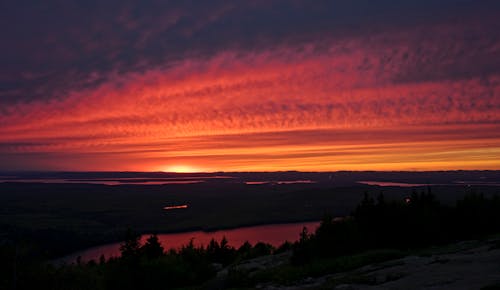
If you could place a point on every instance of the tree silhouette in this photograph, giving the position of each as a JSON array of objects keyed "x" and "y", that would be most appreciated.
[
  {"x": 131, "y": 245},
  {"x": 152, "y": 248}
]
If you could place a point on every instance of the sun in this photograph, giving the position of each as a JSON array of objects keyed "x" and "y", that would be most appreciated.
[{"x": 180, "y": 169}]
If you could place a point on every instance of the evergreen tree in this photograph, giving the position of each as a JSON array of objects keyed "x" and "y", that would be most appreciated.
[
  {"x": 152, "y": 248},
  {"x": 131, "y": 245}
]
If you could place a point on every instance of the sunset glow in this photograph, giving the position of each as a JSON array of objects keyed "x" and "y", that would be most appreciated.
[
  {"x": 181, "y": 169},
  {"x": 412, "y": 94}
]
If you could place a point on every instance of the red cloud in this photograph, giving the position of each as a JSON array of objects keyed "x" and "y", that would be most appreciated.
[{"x": 388, "y": 94}]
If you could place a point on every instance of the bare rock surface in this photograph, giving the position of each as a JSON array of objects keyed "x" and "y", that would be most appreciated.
[
  {"x": 465, "y": 265},
  {"x": 466, "y": 269}
]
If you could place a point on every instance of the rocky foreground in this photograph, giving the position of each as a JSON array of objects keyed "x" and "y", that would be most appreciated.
[{"x": 465, "y": 265}]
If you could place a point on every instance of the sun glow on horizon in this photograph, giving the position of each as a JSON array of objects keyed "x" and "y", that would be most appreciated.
[{"x": 181, "y": 169}]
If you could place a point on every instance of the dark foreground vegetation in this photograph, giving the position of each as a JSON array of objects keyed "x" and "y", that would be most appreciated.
[
  {"x": 377, "y": 230},
  {"x": 417, "y": 221},
  {"x": 146, "y": 266}
]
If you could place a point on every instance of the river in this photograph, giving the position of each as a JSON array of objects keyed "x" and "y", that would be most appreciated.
[{"x": 274, "y": 234}]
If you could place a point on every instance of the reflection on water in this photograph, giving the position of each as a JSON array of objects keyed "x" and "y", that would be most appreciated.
[
  {"x": 280, "y": 182},
  {"x": 454, "y": 183},
  {"x": 116, "y": 181},
  {"x": 175, "y": 207},
  {"x": 400, "y": 184},
  {"x": 481, "y": 183},
  {"x": 274, "y": 234}
]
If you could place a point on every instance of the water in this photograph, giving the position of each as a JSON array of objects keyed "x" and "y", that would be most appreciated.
[
  {"x": 119, "y": 180},
  {"x": 400, "y": 184},
  {"x": 274, "y": 234},
  {"x": 148, "y": 180},
  {"x": 454, "y": 183},
  {"x": 279, "y": 182},
  {"x": 478, "y": 183}
]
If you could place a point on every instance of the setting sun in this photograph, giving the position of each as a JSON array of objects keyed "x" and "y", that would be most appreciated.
[
  {"x": 181, "y": 169},
  {"x": 155, "y": 144},
  {"x": 391, "y": 101}
]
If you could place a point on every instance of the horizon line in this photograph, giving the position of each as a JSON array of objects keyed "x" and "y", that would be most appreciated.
[{"x": 214, "y": 172}]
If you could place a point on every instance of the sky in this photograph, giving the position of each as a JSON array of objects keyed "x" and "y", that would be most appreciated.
[{"x": 249, "y": 85}]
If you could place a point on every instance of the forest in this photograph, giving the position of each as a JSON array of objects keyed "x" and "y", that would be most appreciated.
[{"x": 378, "y": 229}]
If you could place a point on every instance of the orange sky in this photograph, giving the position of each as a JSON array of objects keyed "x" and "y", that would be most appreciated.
[{"x": 360, "y": 103}]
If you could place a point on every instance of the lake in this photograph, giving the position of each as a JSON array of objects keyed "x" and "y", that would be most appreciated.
[
  {"x": 454, "y": 183},
  {"x": 274, "y": 234},
  {"x": 151, "y": 180},
  {"x": 119, "y": 180},
  {"x": 399, "y": 184}
]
